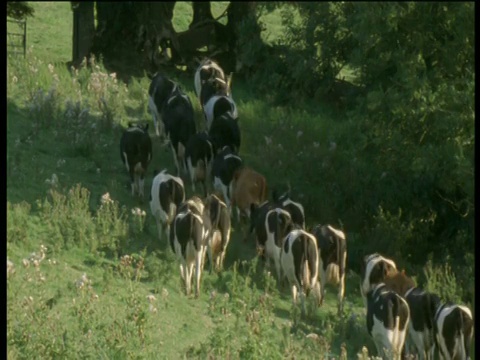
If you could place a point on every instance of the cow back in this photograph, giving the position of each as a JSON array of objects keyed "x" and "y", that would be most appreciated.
[
  {"x": 423, "y": 306},
  {"x": 225, "y": 131},
  {"x": 279, "y": 223},
  {"x": 387, "y": 306},
  {"x": 160, "y": 90},
  {"x": 178, "y": 115},
  {"x": 137, "y": 145},
  {"x": 225, "y": 165}
]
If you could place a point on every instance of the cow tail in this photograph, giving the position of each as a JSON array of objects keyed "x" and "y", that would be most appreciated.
[
  {"x": 459, "y": 331},
  {"x": 392, "y": 309},
  {"x": 312, "y": 258}
]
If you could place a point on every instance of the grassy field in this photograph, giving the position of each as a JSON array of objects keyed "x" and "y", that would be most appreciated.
[{"x": 57, "y": 124}]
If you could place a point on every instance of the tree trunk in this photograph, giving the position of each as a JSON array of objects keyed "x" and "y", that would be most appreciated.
[
  {"x": 241, "y": 34},
  {"x": 83, "y": 31},
  {"x": 201, "y": 13}
]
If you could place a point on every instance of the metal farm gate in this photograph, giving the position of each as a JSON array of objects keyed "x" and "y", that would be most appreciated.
[{"x": 16, "y": 37}]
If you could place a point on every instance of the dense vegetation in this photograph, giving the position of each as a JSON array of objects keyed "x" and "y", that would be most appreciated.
[{"x": 387, "y": 157}]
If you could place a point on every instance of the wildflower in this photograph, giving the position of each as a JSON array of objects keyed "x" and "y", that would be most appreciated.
[
  {"x": 26, "y": 263},
  {"x": 213, "y": 295},
  {"x": 268, "y": 140},
  {"x": 151, "y": 298},
  {"x": 106, "y": 198},
  {"x": 98, "y": 170},
  {"x": 299, "y": 134},
  {"x": 14, "y": 79},
  {"x": 51, "y": 68},
  {"x": 60, "y": 162},
  {"x": 152, "y": 309},
  {"x": 80, "y": 283},
  {"x": 10, "y": 268},
  {"x": 312, "y": 336},
  {"x": 164, "y": 293}
]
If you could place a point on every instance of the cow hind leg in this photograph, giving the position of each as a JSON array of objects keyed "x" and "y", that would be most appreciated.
[{"x": 198, "y": 271}]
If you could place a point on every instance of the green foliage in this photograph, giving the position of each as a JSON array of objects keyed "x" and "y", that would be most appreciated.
[
  {"x": 442, "y": 281},
  {"x": 19, "y": 10},
  {"x": 17, "y": 222}
]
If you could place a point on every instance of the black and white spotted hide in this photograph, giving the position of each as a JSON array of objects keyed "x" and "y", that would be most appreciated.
[
  {"x": 199, "y": 155},
  {"x": 188, "y": 240},
  {"x": 295, "y": 209},
  {"x": 423, "y": 306},
  {"x": 277, "y": 223},
  {"x": 388, "y": 316},
  {"x": 225, "y": 131},
  {"x": 217, "y": 106},
  {"x": 160, "y": 90},
  {"x": 220, "y": 231},
  {"x": 332, "y": 246},
  {"x": 136, "y": 154},
  {"x": 374, "y": 269},
  {"x": 299, "y": 263},
  {"x": 178, "y": 116},
  {"x": 224, "y": 166},
  {"x": 454, "y": 331},
  {"x": 167, "y": 194},
  {"x": 209, "y": 73}
]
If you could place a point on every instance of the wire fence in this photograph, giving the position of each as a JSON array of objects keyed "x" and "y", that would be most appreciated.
[{"x": 16, "y": 37}]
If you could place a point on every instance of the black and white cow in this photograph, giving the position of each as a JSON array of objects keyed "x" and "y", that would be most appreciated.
[
  {"x": 299, "y": 260},
  {"x": 167, "y": 194},
  {"x": 210, "y": 74},
  {"x": 388, "y": 316},
  {"x": 271, "y": 226},
  {"x": 178, "y": 116},
  {"x": 216, "y": 106},
  {"x": 294, "y": 208},
  {"x": 136, "y": 154},
  {"x": 332, "y": 246},
  {"x": 453, "y": 331},
  {"x": 225, "y": 131},
  {"x": 188, "y": 240},
  {"x": 423, "y": 306},
  {"x": 219, "y": 216},
  {"x": 224, "y": 167},
  {"x": 374, "y": 269},
  {"x": 160, "y": 90},
  {"x": 199, "y": 154}
]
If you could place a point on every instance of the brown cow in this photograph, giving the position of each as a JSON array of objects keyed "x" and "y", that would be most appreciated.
[{"x": 248, "y": 187}]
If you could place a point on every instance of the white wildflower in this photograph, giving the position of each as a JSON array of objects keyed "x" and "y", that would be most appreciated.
[
  {"x": 164, "y": 293},
  {"x": 312, "y": 336},
  {"x": 14, "y": 79},
  {"x": 152, "y": 309},
  {"x": 51, "y": 68},
  {"x": 151, "y": 298},
  {"x": 106, "y": 198},
  {"x": 299, "y": 134},
  {"x": 26, "y": 263},
  {"x": 10, "y": 268},
  {"x": 98, "y": 170},
  {"x": 268, "y": 140}
]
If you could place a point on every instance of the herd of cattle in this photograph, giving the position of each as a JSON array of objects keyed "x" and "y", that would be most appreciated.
[{"x": 307, "y": 259}]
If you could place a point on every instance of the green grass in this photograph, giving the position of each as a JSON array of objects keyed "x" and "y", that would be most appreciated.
[{"x": 82, "y": 236}]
